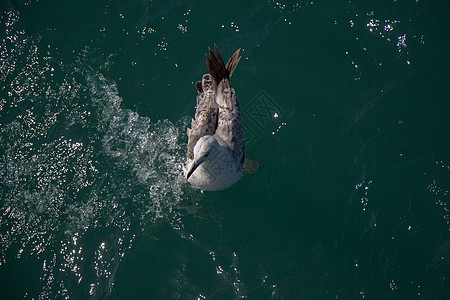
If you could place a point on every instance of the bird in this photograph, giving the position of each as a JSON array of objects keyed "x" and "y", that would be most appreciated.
[{"x": 216, "y": 146}]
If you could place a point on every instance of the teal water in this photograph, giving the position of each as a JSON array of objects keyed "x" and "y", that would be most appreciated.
[{"x": 345, "y": 103}]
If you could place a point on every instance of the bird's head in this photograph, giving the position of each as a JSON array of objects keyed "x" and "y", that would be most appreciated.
[{"x": 205, "y": 151}]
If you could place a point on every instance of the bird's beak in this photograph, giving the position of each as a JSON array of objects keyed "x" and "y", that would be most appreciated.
[{"x": 194, "y": 166}]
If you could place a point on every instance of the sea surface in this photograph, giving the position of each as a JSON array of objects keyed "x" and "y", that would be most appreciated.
[{"x": 346, "y": 105}]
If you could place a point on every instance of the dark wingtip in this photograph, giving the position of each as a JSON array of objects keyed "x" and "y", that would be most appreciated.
[
  {"x": 199, "y": 87},
  {"x": 216, "y": 66},
  {"x": 233, "y": 62}
]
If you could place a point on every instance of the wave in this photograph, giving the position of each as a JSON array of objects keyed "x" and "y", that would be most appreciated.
[{"x": 80, "y": 176}]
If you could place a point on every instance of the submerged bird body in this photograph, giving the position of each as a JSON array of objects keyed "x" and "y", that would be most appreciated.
[{"x": 215, "y": 154}]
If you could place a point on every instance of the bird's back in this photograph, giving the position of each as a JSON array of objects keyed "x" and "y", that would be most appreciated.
[{"x": 217, "y": 114}]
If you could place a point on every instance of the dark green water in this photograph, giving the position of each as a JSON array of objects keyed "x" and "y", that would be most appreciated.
[{"x": 345, "y": 103}]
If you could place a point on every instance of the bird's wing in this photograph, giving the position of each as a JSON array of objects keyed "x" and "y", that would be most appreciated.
[
  {"x": 205, "y": 122},
  {"x": 229, "y": 127}
]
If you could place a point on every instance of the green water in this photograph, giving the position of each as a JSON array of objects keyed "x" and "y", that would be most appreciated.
[{"x": 345, "y": 104}]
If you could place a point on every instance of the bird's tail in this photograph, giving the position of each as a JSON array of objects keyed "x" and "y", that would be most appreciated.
[{"x": 216, "y": 66}]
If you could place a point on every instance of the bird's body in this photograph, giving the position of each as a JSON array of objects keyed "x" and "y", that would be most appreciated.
[{"x": 215, "y": 154}]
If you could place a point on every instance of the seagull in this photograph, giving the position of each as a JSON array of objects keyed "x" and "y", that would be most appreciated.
[{"x": 216, "y": 147}]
